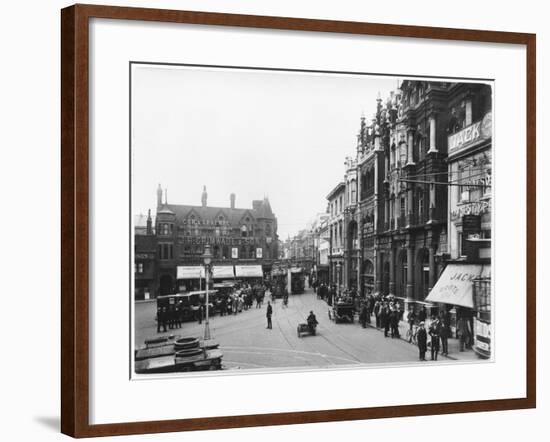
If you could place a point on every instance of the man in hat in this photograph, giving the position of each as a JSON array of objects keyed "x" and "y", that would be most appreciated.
[
  {"x": 422, "y": 341},
  {"x": 268, "y": 314},
  {"x": 435, "y": 332}
]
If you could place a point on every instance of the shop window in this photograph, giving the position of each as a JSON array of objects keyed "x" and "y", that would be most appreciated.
[{"x": 482, "y": 298}]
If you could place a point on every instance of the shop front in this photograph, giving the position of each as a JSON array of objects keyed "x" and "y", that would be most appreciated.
[
  {"x": 249, "y": 273},
  {"x": 464, "y": 289},
  {"x": 189, "y": 278},
  {"x": 223, "y": 272}
]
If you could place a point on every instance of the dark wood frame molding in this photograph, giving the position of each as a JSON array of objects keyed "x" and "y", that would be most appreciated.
[{"x": 74, "y": 219}]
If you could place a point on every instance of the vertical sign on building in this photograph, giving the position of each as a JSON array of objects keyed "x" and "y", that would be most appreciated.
[
  {"x": 234, "y": 252},
  {"x": 259, "y": 252}
]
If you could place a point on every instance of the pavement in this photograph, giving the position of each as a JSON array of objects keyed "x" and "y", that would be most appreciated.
[
  {"x": 453, "y": 344},
  {"x": 247, "y": 343}
]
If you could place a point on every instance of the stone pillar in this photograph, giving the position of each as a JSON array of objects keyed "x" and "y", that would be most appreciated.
[
  {"x": 410, "y": 257},
  {"x": 468, "y": 112},
  {"x": 431, "y": 263},
  {"x": 410, "y": 208},
  {"x": 392, "y": 272},
  {"x": 431, "y": 209},
  {"x": 410, "y": 140},
  {"x": 433, "y": 147},
  {"x": 378, "y": 271},
  {"x": 386, "y": 213}
]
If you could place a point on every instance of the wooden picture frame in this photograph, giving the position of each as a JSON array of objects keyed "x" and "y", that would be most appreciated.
[{"x": 75, "y": 245}]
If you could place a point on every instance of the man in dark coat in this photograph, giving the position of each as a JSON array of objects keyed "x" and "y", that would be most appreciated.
[
  {"x": 435, "y": 332},
  {"x": 161, "y": 319},
  {"x": 268, "y": 314},
  {"x": 384, "y": 319},
  {"x": 422, "y": 341},
  {"x": 363, "y": 315}
]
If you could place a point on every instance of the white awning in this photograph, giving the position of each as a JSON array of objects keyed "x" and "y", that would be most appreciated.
[
  {"x": 296, "y": 270},
  {"x": 222, "y": 272},
  {"x": 455, "y": 286},
  {"x": 251, "y": 271},
  {"x": 190, "y": 272}
]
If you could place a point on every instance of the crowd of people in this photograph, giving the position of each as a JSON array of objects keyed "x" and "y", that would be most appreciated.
[{"x": 426, "y": 330}]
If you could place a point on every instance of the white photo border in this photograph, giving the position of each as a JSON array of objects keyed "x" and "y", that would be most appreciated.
[{"x": 113, "y": 397}]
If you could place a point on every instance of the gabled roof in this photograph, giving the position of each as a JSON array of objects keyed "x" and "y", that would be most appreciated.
[{"x": 233, "y": 216}]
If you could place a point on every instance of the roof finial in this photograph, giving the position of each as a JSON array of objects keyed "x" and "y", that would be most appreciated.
[{"x": 204, "y": 196}]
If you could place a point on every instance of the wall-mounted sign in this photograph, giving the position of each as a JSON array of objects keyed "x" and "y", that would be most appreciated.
[
  {"x": 470, "y": 134},
  {"x": 473, "y": 208},
  {"x": 226, "y": 240},
  {"x": 258, "y": 252}
]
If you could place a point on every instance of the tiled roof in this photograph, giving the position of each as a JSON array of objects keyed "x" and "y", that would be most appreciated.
[{"x": 234, "y": 216}]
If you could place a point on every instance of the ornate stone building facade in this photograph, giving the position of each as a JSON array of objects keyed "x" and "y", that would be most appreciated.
[{"x": 400, "y": 201}]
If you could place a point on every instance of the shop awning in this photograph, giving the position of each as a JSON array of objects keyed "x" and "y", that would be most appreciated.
[
  {"x": 190, "y": 272},
  {"x": 221, "y": 272},
  {"x": 251, "y": 271},
  {"x": 296, "y": 270},
  {"x": 455, "y": 285}
]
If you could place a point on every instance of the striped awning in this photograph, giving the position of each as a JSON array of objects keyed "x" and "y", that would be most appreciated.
[
  {"x": 225, "y": 272},
  {"x": 190, "y": 272},
  {"x": 455, "y": 285},
  {"x": 250, "y": 271}
]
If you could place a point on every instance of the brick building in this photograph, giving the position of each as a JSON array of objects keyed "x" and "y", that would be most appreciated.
[{"x": 243, "y": 241}]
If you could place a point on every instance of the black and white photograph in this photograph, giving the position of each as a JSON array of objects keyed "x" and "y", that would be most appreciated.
[{"x": 303, "y": 220}]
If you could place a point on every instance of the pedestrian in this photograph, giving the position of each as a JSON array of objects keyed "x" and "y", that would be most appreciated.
[
  {"x": 384, "y": 319},
  {"x": 199, "y": 313},
  {"x": 463, "y": 331},
  {"x": 161, "y": 319},
  {"x": 445, "y": 332},
  {"x": 268, "y": 314},
  {"x": 435, "y": 331},
  {"x": 423, "y": 314},
  {"x": 411, "y": 318},
  {"x": 363, "y": 315},
  {"x": 377, "y": 307},
  {"x": 394, "y": 321},
  {"x": 285, "y": 299},
  {"x": 422, "y": 341}
]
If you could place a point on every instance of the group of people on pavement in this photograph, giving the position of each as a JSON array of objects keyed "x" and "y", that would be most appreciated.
[
  {"x": 439, "y": 331},
  {"x": 388, "y": 313}
]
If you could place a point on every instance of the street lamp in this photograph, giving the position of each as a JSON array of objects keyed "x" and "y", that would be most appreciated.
[
  {"x": 339, "y": 274},
  {"x": 207, "y": 259}
]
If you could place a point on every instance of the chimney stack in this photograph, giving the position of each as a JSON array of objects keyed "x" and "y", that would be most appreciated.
[{"x": 232, "y": 200}]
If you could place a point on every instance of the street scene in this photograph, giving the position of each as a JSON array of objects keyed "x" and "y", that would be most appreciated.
[
  {"x": 247, "y": 343},
  {"x": 272, "y": 231}
]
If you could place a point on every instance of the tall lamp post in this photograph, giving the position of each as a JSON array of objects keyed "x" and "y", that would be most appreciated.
[
  {"x": 339, "y": 274},
  {"x": 207, "y": 259}
]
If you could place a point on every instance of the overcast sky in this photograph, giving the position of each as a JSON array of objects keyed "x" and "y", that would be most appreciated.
[{"x": 283, "y": 135}]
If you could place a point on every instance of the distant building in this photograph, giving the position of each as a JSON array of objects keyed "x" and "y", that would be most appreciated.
[{"x": 336, "y": 227}]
